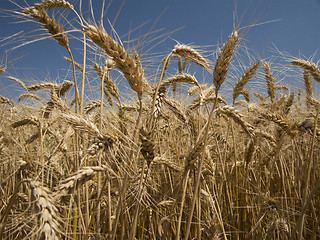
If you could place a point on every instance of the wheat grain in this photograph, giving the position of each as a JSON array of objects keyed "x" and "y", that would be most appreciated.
[{"x": 75, "y": 63}]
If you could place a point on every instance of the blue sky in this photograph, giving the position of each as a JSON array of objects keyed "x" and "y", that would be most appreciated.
[{"x": 290, "y": 26}]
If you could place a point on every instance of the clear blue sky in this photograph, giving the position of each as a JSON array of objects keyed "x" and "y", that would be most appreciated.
[{"x": 202, "y": 23}]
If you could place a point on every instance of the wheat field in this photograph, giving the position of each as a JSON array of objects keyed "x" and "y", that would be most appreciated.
[{"x": 176, "y": 159}]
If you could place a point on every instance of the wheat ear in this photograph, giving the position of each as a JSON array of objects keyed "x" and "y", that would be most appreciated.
[
  {"x": 269, "y": 80},
  {"x": 6, "y": 101},
  {"x": 45, "y": 209},
  {"x": 17, "y": 81},
  {"x": 29, "y": 95},
  {"x": 191, "y": 54},
  {"x": 111, "y": 87},
  {"x": 310, "y": 66},
  {"x": 222, "y": 64},
  {"x": 130, "y": 68},
  {"x": 63, "y": 88},
  {"x": 186, "y": 78},
  {"x": 248, "y": 74},
  {"x": 41, "y": 86},
  {"x": 50, "y": 24},
  {"x": 80, "y": 123},
  {"x": 26, "y": 121},
  {"x": 237, "y": 117},
  {"x": 49, "y": 4},
  {"x": 78, "y": 179}
]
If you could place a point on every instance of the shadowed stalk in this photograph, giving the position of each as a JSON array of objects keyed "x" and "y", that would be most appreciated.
[{"x": 301, "y": 219}]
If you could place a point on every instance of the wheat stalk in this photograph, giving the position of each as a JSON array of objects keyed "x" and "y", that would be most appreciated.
[{"x": 75, "y": 63}]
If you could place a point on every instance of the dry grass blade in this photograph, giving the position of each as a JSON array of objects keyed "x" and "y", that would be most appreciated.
[
  {"x": 48, "y": 221},
  {"x": 130, "y": 68},
  {"x": 310, "y": 66},
  {"x": 191, "y": 54},
  {"x": 186, "y": 78},
  {"x": 244, "y": 79},
  {"x": 17, "y": 81},
  {"x": 222, "y": 64}
]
